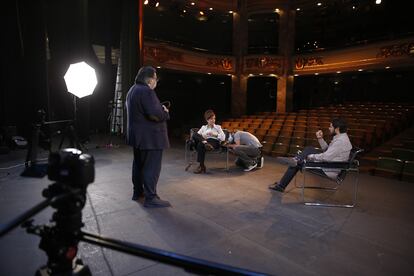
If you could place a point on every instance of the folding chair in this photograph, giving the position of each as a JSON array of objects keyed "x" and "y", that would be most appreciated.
[
  {"x": 345, "y": 168},
  {"x": 190, "y": 150}
]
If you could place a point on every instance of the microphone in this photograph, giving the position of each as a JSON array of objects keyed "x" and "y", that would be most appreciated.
[{"x": 167, "y": 104}]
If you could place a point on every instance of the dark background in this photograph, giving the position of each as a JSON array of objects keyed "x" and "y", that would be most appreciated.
[{"x": 43, "y": 37}]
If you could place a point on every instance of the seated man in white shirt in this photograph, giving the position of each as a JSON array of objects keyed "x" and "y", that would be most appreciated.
[
  {"x": 338, "y": 150},
  {"x": 247, "y": 148}
]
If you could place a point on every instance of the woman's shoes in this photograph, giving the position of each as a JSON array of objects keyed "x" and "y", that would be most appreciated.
[{"x": 200, "y": 169}]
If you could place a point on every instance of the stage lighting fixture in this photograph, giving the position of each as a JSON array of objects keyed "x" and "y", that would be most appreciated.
[{"x": 80, "y": 79}]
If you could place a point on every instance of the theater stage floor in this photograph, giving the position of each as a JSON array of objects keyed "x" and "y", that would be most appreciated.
[{"x": 229, "y": 217}]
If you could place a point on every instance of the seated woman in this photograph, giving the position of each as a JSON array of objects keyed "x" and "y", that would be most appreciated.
[{"x": 208, "y": 137}]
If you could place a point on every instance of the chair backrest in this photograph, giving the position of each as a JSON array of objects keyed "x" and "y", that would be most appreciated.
[
  {"x": 353, "y": 155},
  {"x": 193, "y": 131},
  {"x": 352, "y": 162}
]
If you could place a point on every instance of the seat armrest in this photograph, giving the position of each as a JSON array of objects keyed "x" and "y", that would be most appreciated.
[{"x": 326, "y": 165}]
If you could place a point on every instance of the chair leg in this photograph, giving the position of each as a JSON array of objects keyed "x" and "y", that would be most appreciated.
[
  {"x": 296, "y": 185},
  {"x": 227, "y": 160},
  {"x": 188, "y": 157},
  {"x": 321, "y": 204},
  {"x": 188, "y": 166}
]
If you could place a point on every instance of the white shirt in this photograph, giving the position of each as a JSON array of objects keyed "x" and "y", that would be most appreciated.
[
  {"x": 214, "y": 132},
  {"x": 338, "y": 150}
]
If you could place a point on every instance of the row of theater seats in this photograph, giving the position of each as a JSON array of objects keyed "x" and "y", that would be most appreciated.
[
  {"x": 369, "y": 125},
  {"x": 394, "y": 158},
  {"x": 294, "y": 130}
]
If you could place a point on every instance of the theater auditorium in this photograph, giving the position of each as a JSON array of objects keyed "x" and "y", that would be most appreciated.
[{"x": 227, "y": 72}]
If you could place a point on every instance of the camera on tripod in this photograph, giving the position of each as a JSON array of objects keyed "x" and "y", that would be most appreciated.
[
  {"x": 72, "y": 171},
  {"x": 71, "y": 166}
]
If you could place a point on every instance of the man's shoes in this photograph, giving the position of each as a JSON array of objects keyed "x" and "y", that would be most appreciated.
[
  {"x": 249, "y": 168},
  {"x": 291, "y": 162},
  {"x": 275, "y": 186},
  {"x": 138, "y": 195},
  {"x": 156, "y": 202},
  {"x": 208, "y": 147}
]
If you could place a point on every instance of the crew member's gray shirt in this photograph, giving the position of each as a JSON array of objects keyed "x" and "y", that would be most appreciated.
[{"x": 247, "y": 139}]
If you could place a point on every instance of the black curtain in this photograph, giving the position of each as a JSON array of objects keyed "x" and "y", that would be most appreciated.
[
  {"x": 68, "y": 34},
  {"x": 24, "y": 86},
  {"x": 129, "y": 44}
]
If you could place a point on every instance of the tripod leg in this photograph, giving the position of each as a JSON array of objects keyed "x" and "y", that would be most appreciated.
[{"x": 61, "y": 140}]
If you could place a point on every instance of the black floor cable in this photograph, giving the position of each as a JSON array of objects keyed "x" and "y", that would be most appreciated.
[
  {"x": 99, "y": 232},
  {"x": 15, "y": 166},
  {"x": 11, "y": 167},
  {"x": 6, "y": 174}
]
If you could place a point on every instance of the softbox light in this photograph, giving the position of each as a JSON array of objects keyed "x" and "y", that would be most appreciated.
[{"x": 80, "y": 79}]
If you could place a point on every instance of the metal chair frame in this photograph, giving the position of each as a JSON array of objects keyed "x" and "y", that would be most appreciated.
[
  {"x": 316, "y": 168},
  {"x": 189, "y": 155}
]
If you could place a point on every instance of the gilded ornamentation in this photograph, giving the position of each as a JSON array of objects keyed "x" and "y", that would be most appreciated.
[
  {"x": 396, "y": 50},
  {"x": 264, "y": 63},
  {"x": 162, "y": 54},
  {"x": 302, "y": 62},
  {"x": 224, "y": 63}
]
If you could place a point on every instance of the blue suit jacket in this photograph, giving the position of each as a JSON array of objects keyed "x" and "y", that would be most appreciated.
[{"x": 146, "y": 119}]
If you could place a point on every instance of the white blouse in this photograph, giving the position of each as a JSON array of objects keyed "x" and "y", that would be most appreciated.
[{"x": 214, "y": 132}]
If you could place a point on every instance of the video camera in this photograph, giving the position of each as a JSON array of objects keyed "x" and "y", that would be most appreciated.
[{"x": 71, "y": 166}]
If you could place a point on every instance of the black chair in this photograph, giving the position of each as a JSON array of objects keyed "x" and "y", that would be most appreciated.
[
  {"x": 190, "y": 151},
  {"x": 344, "y": 168}
]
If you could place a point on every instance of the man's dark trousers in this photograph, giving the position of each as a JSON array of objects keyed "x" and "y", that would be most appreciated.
[
  {"x": 146, "y": 170},
  {"x": 291, "y": 171}
]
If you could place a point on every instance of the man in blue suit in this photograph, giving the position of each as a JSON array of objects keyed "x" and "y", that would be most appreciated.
[{"x": 147, "y": 134}]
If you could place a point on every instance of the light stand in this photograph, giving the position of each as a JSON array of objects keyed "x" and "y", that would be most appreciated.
[
  {"x": 74, "y": 110},
  {"x": 80, "y": 79},
  {"x": 111, "y": 118}
]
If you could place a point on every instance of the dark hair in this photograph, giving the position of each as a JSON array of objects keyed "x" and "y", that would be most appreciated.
[
  {"x": 208, "y": 114},
  {"x": 145, "y": 73},
  {"x": 340, "y": 123}
]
